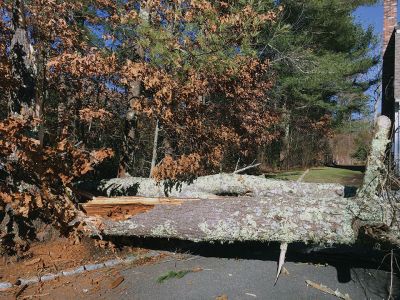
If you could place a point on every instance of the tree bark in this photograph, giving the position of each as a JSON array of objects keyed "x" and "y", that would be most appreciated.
[
  {"x": 41, "y": 89},
  {"x": 284, "y": 218},
  {"x": 131, "y": 132},
  {"x": 155, "y": 146},
  {"x": 375, "y": 207},
  {"x": 24, "y": 67},
  {"x": 210, "y": 186},
  {"x": 260, "y": 209},
  {"x": 376, "y": 171},
  {"x": 130, "y": 138}
]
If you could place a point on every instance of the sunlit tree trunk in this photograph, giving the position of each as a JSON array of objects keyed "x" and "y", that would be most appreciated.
[{"x": 155, "y": 145}]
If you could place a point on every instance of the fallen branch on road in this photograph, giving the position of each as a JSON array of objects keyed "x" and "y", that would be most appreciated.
[{"x": 327, "y": 290}]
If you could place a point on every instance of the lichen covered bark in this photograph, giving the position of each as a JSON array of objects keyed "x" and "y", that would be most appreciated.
[
  {"x": 375, "y": 174},
  {"x": 373, "y": 207},
  {"x": 282, "y": 217},
  {"x": 219, "y": 184}
]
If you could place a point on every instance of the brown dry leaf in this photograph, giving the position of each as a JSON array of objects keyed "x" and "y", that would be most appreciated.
[
  {"x": 6, "y": 197},
  {"x": 197, "y": 269},
  {"x": 32, "y": 262},
  {"x": 102, "y": 154},
  {"x": 222, "y": 297},
  {"x": 24, "y": 211},
  {"x": 117, "y": 282}
]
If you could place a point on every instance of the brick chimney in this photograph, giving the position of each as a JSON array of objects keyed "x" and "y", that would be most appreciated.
[{"x": 389, "y": 20}]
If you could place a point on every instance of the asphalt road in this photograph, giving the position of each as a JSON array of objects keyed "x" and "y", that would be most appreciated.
[
  {"x": 244, "y": 279},
  {"x": 248, "y": 272}
]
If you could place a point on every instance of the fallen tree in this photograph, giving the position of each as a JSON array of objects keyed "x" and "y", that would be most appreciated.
[
  {"x": 215, "y": 185},
  {"x": 286, "y": 218},
  {"x": 263, "y": 210}
]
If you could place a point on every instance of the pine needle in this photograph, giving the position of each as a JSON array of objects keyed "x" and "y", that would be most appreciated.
[{"x": 172, "y": 274}]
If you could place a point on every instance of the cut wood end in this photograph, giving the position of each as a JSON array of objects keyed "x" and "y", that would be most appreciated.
[
  {"x": 115, "y": 212},
  {"x": 138, "y": 200},
  {"x": 120, "y": 208}
]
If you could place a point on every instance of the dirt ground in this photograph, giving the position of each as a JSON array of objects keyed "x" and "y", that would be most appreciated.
[
  {"x": 92, "y": 284},
  {"x": 60, "y": 254}
]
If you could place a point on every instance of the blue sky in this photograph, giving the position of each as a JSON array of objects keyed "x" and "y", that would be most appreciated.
[
  {"x": 371, "y": 15},
  {"x": 367, "y": 16}
]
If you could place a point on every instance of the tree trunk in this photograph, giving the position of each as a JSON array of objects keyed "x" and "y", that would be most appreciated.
[
  {"x": 261, "y": 209},
  {"x": 285, "y": 151},
  {"x": 374, "y": 206},
  {"x": 376, "y": 172},
  {"x": 155, "y": 146},
  {"x": 128, "y": 144},
  {"x": 130, "y": 133},
  {"x": 23, "y": 65},
  {"x": 281, "y": 217},
  {"x": 210, "y": 186},
  {"x": 22, "y": 104},
  {"x": 41, "y": 90}
]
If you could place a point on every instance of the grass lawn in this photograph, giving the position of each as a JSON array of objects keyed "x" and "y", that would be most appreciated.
[{"x": 323, "y": 175}]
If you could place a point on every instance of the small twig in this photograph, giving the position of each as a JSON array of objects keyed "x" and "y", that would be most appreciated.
[
  {"x": 383, "y": 260},
  {"x": 37, "y": 295},
  {"x": 20, "y": 291},
  {"x": 246, "y": 168},
  {"x": 391, "y": 276},
  {"x": 397, "y": 264},
  {"x": 237, "y": 165},
  {"x": 327, "y": 290}
]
